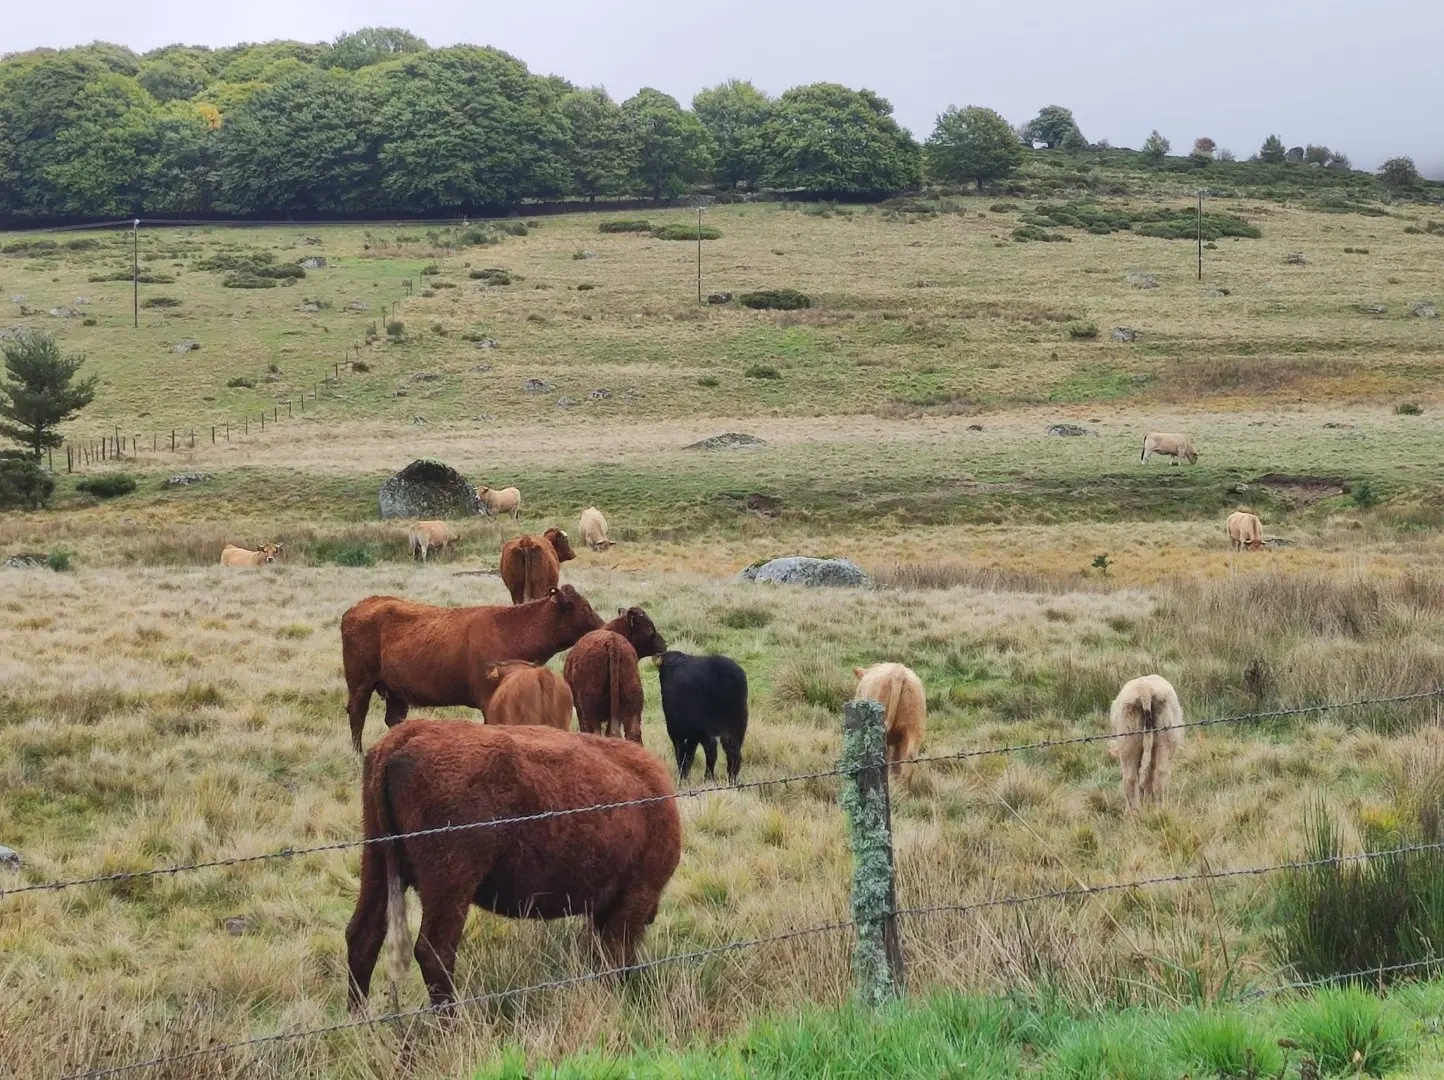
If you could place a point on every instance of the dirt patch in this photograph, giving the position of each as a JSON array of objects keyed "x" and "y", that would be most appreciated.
[{"x": 1303, "y": 488}]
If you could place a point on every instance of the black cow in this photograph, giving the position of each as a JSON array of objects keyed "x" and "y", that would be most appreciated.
[{"x": 704, "y": 698}]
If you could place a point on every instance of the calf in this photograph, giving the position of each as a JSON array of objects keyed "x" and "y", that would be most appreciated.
[
  {"x": 528, "y": 694},
  {"x": 428, "y": 536},
  {"x": 531, "y": 565},
  {"x": 704, "y": 699},
  {"x": 905, "y": 709},
  {"x": 602, "y": 672},
  {"x": 609, "y": 865},
  {"x": 416, "y": 654}
]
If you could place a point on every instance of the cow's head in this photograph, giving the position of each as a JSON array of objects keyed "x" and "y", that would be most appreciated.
[
  {"x": 573, "y": 611},
  {"x": 560, "y": 544},
  {"x": 272, "y": 550},
  {"x": 1190, "y": 455},
  {"x": 602, "y": 544},
  {"x": 637, "y": 627},
  {"x": 859, "y": 672},
  {"x": 1256, "y": 543}
]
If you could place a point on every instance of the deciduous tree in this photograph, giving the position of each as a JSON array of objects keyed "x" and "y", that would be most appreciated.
[
  {"x": 972, "y": 144},
  {"x": 670, "y": 150},
  {"x": 733, "y": 113},
  {"x": 1055, "y": 128},
  {"x": 836, "y": 141}
]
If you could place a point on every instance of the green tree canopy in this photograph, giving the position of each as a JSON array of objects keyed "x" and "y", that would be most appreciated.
[
  {"x": 1156, "y": 146},
  {"x": 733, "y": 113},
  {"x": 670, "y": 146},
  {"x": 172, "y": 79},
  {"x": 972, "y": 144},
  {"x": 599, "y": 152},
  {"x": 1055, "y": 128},
  {"x": 830, "y": 139},
  {"x": 372, "y": 45},
  {"x": 1399, "y": 174},
  {"x": 39, "y": 393},
  {"x": 1272, "y": 150}
]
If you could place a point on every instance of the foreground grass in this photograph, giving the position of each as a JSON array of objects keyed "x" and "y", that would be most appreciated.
[{"x": 1335, "y": 1032}]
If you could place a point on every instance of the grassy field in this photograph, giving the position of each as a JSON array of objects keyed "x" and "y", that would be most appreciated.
[{"x": 154, "y": 709}]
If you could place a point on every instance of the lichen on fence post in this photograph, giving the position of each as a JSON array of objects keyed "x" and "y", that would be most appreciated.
[{"x": 878, "y": 960}]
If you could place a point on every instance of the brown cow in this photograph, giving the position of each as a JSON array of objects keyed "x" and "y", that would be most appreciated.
[
  {"x": 530, "y": 566},
  {"x": 602, "y": 672},
  {"x": 416, "y": 654},
  {"x": 609, "y": 865},
  {"x": 905, "y": 711},
  {"x": 529, "y": 694}
]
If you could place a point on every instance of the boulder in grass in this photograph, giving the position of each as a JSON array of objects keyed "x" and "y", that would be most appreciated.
[
  {"x": 805, "y": 570},
  {"x": 428, "y": 490}
]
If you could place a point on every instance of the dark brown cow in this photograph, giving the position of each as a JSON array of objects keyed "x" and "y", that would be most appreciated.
[
  {"x": 602, "y": 672},
  {"x": 416, "y": 654},
  {"x": 529, "y": 694},
  {"x": 531, "y": 565},
  {"x": 609, "y": 865}
]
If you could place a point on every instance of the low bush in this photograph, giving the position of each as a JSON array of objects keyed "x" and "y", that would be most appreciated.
[
  {"x": 585, "y": 286},
  {"x": 1168, "y": 223},
  {"x": 1083, "y": 331},
  {"x": 347, "y": 554},
  {"x": 146, "y": 278},
  {"x": 1005, "y": 208},
  {"x": 709, "y": 381},
  {"x": 681, "y": 231},
  {"x": 396, "y": 329},
  {"x": 83, "y": 243},
  {"x": 247, "y": 281},
  {"x": 24, "y": 485},
  {"x": 1408, "y": 408},
  {"x": 107, "y": 485},
  {"x": 775, "y": 300},
  {"x": 59, "y": 560},
  {"x": 430, "y": 270},
  {"x": 160, "y": 302},
  {"x": 762, "y": 371},
  {"x": 515, "y": 228},
  {"x": 492, "y": 275},
  {"x": 241, "y": 382},
  {"x": 1356, "y": 251},
  {"x": 361, "y": 367},
  {"x": 625, "y": 225},
  {"x": 1026, "y": 233}
]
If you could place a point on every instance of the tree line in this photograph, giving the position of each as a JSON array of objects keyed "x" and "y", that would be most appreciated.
[{"x": 379, "y": 123}]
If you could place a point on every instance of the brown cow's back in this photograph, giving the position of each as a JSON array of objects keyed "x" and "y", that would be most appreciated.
[
  {"x": 601, "y": 670},
  {"x": 529, "y": 694}
]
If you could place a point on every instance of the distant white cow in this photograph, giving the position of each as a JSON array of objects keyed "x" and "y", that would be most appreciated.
[
  {"x": 1244, "y": 531},
  {"x": 1170, "y": 445},
  {"x": 498, "y": 501},
  {"x": 1147, "y": 721},
  {"x": 428, "y": 536},
  {"x": 593, "y": 528}
]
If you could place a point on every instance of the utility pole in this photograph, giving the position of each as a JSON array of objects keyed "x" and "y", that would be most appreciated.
[
  {"x": 1200, "y": 234},
  {"x": 135, "y": 272},
  {"x": 699, "y": 254}
]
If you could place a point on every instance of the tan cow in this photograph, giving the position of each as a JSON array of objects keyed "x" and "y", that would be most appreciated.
[
  {"x": 427, "y": 536},
  {"x": 497, "y": 501},
  {"x": 905, "y": 710},
  {"x": 1147, "y": 719},
  {"x": 1244, "y": 531},
  {"x": 593, "y": 528},
  {"x": 528, "y": 694},
  {"x": 239, "y": 556},
  {"x": 1174, "y": 446}
]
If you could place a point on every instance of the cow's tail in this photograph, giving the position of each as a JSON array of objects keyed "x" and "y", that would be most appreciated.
[
  {"x": 614, "y": 681},
  {"x": 530, "y": 553},
  {"x": 398, "y": 934},
  {"x": 1143, "y": 454},
  {"x": 1148, "y": 724}
]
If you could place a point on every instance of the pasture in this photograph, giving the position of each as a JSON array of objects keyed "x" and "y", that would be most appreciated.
[{"x": 155, "y": 709}]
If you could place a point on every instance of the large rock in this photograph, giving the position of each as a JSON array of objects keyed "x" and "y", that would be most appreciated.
[
  {"x": 428, "y": 489},
  {"x": 9, "y": 856},
  {"x": 730, "y": 440},
  {"x": 804, "y": 570},
  {"x": 27, "y": 560}
]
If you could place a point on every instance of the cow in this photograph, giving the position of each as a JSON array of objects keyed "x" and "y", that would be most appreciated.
[
  {"x": 416, "y": 654},
  {"x": 497, "y": 501},
  {"x": 1147, "y": 726},
  {"x": 593, "y": 529},
  {"x": 704, "y": 699},
  {"x": 1174, "y": 446},
  {"x": 239, "y": 556},
  {"x": 602, "y": 671},
  {"x": 427, "y": 536},
  {"x": 531, "y": 565},
  {"x": 1244, "y": 531},
  {"x": 905, "y": 710},
  {"x": 608, "y": 865},
  {"x": 528, "y": 694}
]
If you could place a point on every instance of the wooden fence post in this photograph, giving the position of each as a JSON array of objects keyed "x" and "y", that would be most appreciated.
[{"x": 878, "y": 960}]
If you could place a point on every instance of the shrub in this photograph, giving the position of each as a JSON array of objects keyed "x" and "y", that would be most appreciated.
[
  {"x": 353, "y": 555},
  {"x": 58, "y": 560},
  {"x": 84, "y": 243},
  {"x": 1005, "y": 208},
  {"x": 107, "y": 485},
  {"x": 492, "y": 275},
  {"x": 1083, "y": 331},
  {"x": 625, "y": 225},
  {"x": 585, "y": 286},
  {"x": 90, "y": 322},
  {"x": 396, "y": 329},
  {"x": 24, "y": 485},
  {"x": 1025, "y": 233},
  {"x": 146, "y": 278},
  {"x": 515, "y": 228},
  {"x": 762, "y": 371},
  {"x": 1364, "y": 495},
  {"x": 1408, "y": 408},
  {"x": 474, "y": 237},
  {"x": 428, "y": 271},
  {"x": 709, "y": 381},
  {"x": 241, "y": 382},
  {"x": 361, "y": 367},
  {"x": 681, "y": 231},
  {"x": 247, "y": 281},
  {"x": 775, "y": 300},
  {"x": 160, "y": 302}
]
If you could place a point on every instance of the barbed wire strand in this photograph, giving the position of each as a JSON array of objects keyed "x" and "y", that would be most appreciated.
[
  {"x": 478, "y": 999},
  {"x": 1329, "y": 980},
  {"x": 547, "y": 815}
]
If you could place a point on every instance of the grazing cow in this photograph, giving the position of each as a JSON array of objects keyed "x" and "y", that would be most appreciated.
[
  {"x": 239, "y": 556},
  {"x": 1146, "y": 719},
  {"x": 416, "y": 654},
  {"x": 528, "y": 694},
  {"x": 593, "y": 528},
  {"x": 1174, "y": 446},
  {"x": 608, "y": 865},
  {"x": 498, "y": 501},
  {"x": 905, "y": 709},
  {"x": 531, "y": 565},
  {"x": 704, "y": 698},
  {"x": 427, "y": 536},
  {"x": 602, "y": 671},
  {"x": 1244, "y": 531}
]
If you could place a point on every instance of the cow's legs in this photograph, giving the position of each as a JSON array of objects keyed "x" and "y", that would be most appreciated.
[
  {"x": 709, "y": 749},
  {"x": 732, "y": 747},
  {"x": 621, "y": 928},
  {"x": 632, "y": 728},
  {"x": 686, "y": 751},
  {"x": 358, "y": 704},
  {"x": 1130, "y": 756},
  {"x": 443, "y": 917},
  {"x": 396, "y": 709},
  {"x": 366, "y": 931}
]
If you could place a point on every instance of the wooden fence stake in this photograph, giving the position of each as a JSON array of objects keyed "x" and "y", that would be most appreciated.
[{"x": 878, "y": 960}]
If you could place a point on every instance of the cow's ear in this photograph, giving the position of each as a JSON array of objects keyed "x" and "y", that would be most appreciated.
[
  {"x": 857, "y": 672},
  {"x": 494, "y": 673}
]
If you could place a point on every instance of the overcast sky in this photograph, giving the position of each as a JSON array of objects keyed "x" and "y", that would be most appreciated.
[{"x": 1365, "y": 78}]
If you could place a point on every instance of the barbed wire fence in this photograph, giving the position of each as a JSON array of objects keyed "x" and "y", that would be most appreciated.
[{"x": 878, "y": 949}]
